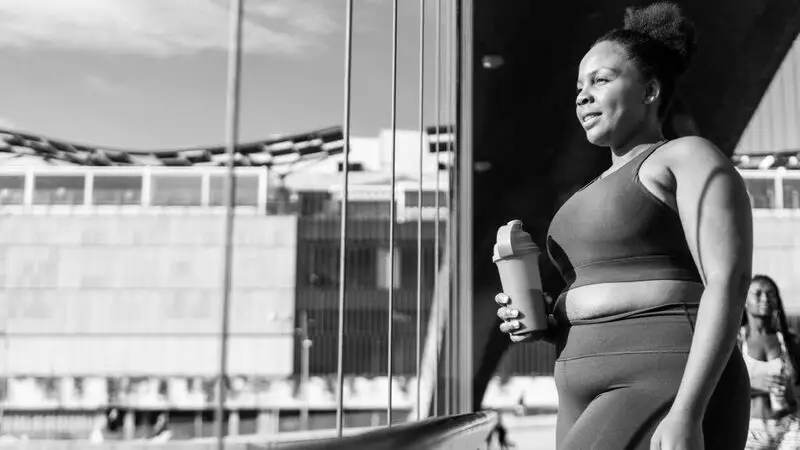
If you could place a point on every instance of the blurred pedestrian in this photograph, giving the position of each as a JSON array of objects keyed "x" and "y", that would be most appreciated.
[{"x": 770, "y": 352}]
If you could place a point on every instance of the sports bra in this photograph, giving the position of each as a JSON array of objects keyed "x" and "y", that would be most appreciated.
[
  {"x": 779, "y": 364},
  {"x": 615, "y": 230}
]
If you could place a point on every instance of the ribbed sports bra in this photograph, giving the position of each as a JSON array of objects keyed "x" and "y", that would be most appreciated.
[
  {"x": 615, "y": 230},
  {"x": 780, "y": 364}
]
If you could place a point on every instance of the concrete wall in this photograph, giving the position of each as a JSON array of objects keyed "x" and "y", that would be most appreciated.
[
  {"x": 776, "y": 252},
  {"x": 141, "y": 294}
]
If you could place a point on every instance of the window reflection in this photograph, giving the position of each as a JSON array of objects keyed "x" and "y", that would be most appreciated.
[
  {"x": 762, "y": 193},
  {"x": 176, "y": 190},
  {"x": 369, "y": 210},
  {"x": 12, "y": 189},
  {"x": 246, "y": 190},
  {"x": 117, "y": 190},
  {"x": 58, "y": 189},
  {"x": 791, "y": 193},
  {"x": 428, "y": 199}
]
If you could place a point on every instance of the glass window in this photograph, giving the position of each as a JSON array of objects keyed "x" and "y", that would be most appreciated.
[
  {"x": 246, "y": 190},
  {"x": 58, "y": 189},
  {"x": 321, "y": 265},
  {"x": 117, "y": 190},
  {"x": 362, "y": 267},
  {"x": 384, "y": 268},
  {"x": 176, "y": 190},
  {"x": 791, "y": 193},
  {"x": 428, "y": 199},
  {"x": 367, "y": 209},
  {"x": 12, "y": 189},
  {"x": 315, "y": 203},
  {"x": 762, "y": 193}
]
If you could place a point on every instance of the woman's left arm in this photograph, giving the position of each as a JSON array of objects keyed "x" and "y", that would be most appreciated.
[{"x": 714, "y": 208}]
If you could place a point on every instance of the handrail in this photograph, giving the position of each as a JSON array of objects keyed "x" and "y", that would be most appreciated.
[{"x": 462, "y": 431}]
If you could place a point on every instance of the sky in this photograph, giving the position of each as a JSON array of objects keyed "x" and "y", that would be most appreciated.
[{"x": 151, "y": 74}]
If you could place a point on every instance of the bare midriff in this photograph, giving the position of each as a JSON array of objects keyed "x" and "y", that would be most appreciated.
[
  {"x": 761, "y": 408},
  {"x": 596, "y": 301}
]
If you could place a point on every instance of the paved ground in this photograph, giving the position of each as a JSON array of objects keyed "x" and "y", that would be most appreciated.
[
  {"x": 534, "y": 438},
  {"x": 531, "y": 433}
]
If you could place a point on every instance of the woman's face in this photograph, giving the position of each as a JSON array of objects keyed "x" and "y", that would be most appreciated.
[
  {"x": 762, "y": 300},
  {"x": 612, "y": 100}
]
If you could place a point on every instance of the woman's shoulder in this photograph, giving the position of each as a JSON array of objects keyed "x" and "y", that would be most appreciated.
[
  {"x": 694, "y": 157},
  {"x": 693, "y": 149}
]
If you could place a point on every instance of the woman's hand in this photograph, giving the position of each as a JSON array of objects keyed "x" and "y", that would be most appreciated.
[
  {"x": 766, "y": 382},
  {"x": 510, "y": 323},
  {"x": 678, "y": 431}
]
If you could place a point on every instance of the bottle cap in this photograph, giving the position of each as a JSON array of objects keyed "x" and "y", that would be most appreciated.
[{"x": 512, "y": 240}]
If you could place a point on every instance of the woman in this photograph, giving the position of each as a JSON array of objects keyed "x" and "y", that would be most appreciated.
[
  {"x": 657, "y": 255},
  {"x": 770, "y": 354}
]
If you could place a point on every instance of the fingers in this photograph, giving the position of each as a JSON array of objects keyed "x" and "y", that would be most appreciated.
[
  {"x": 501, "y": 299},
  {"x": 508, "y": 327},
  {"x": 505, "y": 313},
  {"x": 775, "y": 381}
]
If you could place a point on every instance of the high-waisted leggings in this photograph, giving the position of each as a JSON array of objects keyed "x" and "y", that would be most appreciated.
[{"x": 617, "y": 378}]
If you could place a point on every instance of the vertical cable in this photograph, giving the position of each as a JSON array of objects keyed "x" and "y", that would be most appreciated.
[
  {"x": 452, "y": 219},
  {"x": 232, "y": 136},
  {"x": 392, "y": 212},
  {"x": 448, "y": 227},
  {"x": 463, "y": 143},
  {"x": 343, "y": 228},
  {"x": 437, "y": 220},
  {"x": 6, "y": 375},
  {"x": 419, "y": 193}
]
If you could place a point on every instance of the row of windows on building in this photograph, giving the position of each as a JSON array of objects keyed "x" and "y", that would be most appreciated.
[
  {"x": 772, "y": 193},
  {"x": 193, "y": 189},
  {"x": 126, "y": 189},
  {"x": 208, "y": 189}
]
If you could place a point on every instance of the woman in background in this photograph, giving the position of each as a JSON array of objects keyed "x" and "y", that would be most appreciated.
[{"x": 770, "y": 353}]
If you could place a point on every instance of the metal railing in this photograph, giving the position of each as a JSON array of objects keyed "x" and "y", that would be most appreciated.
[{"x": 442, "y": 347}]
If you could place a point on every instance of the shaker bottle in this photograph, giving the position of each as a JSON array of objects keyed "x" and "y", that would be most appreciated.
[
  {"x": 517, "y": 260},
  {"x": 777, "y": 399}
]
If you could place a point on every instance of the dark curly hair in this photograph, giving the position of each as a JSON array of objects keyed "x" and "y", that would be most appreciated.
[{"x": 661, "y": 41}]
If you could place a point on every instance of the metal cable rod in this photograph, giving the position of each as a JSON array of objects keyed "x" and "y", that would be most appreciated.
[
  {"x": 437, "y": 220},
  {"x": 231, "y": 138},
  {"x": 392, "y": 214},
  {"x": 453, "y": 231},
  {"x": 343, "y": 227},
  {"x": 419, "y": 194}
]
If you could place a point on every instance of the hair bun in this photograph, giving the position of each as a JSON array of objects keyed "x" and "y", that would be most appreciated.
[{"x": 666, "y": 23}]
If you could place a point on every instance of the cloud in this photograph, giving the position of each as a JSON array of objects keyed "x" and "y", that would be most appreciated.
[
  {"x": 8, "y": 124},
  {"x": 165, "y": 28},
  {"x": 104, "y": 86}
]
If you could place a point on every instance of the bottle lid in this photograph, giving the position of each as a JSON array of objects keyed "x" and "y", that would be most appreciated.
[{"x": 512, "y": 240}]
